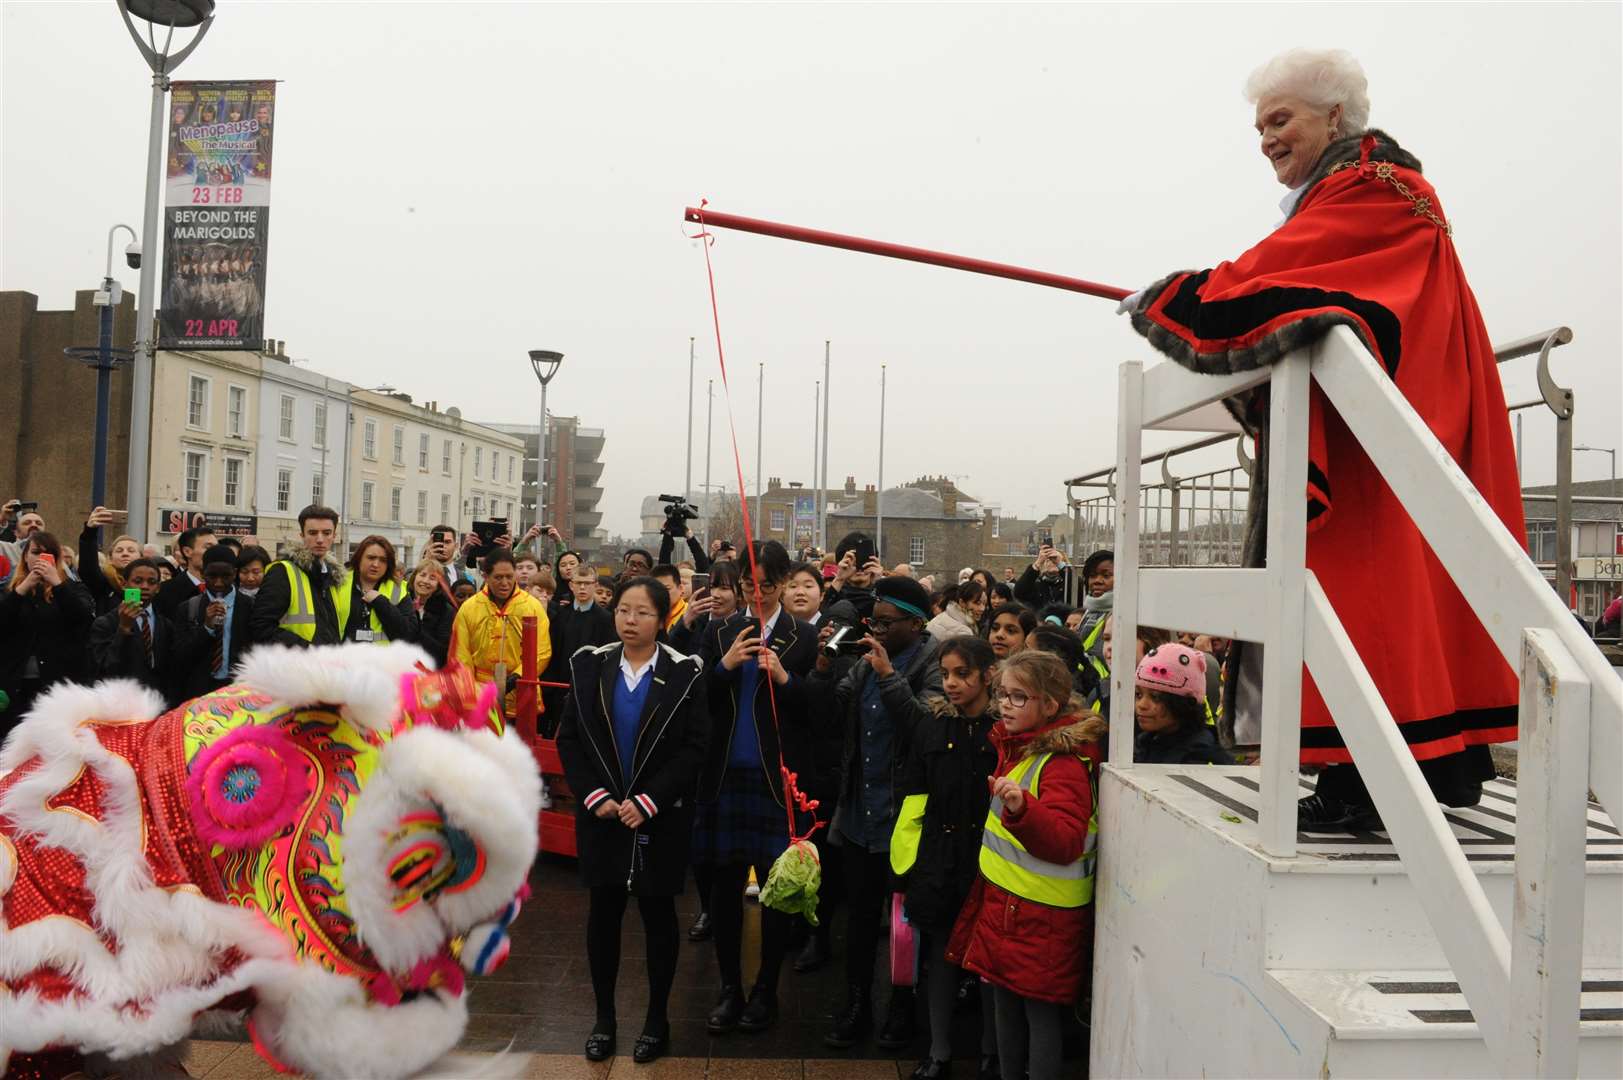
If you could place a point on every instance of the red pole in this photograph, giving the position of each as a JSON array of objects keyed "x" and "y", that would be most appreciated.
[
  {"x": 524, "y": 699},
  {"x": 902, "y": 251}
]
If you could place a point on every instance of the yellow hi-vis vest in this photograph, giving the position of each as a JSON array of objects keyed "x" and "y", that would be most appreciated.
[
  {"x": 395, "y": 591},
  {"x": 1087, "y": 645},
  {"x": 300, "y": 616},
  {"x": 1005, "y": 862}
]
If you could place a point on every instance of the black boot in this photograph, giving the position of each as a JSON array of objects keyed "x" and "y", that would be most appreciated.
[
  {"x": 853, "y": 1022},
  {"x": 729, "y": 1009},
  {"x": 900, "y": 1025},
  {"x": 989, "y": 1069},
  {"x": 700, "y": 930},
  {"x": 761, "y": 1011},
  {"x": 816, "y": 953},
  {"x": 1328, "y": 814},
  {"x": 933, "y": 1069}
]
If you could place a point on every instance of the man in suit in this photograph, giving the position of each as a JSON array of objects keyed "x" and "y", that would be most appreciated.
[
  {"x": 134, "y": 641},
  {"x": 216, "y": 623},
  {"x": 190, "y": 550},
  {"x": 458, "y": 568}
]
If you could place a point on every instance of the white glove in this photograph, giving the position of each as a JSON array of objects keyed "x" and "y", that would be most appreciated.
[{"x": 1129, "y": 302}]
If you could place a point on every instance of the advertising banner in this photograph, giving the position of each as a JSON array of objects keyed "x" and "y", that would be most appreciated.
[
  {"x": 178, "y": 521},
  {"x": 805, "y": 520},
  {"x": 216, "y": 215}
]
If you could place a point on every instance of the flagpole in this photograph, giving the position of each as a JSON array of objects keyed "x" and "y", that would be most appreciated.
[
  {"x": 879, "y": 501},
  {"x": 822, "y": 488}
]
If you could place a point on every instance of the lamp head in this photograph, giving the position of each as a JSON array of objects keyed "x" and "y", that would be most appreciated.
[
  {"x": 545, "y": 362},
  {"x": 180, "y": 13}
]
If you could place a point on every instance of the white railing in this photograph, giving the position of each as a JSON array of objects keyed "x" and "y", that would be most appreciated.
[{"x": 1523, "y": 987}]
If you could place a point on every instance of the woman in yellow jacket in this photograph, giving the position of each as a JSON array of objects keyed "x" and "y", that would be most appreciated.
[{"x": 489, "y": 627}]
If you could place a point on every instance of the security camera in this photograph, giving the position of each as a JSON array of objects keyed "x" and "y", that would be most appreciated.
[{"x": 132, "y": 255}]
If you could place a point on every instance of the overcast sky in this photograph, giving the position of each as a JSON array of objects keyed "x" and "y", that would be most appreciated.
[{"x": 458, "y": 183}]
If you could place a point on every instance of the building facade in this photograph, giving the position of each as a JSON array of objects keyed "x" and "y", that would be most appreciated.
[
  {"x": 302, "y": 419},
  {"x": 1597, "y": 541},
  {"x": 206, "y": 444},
  {"x": 48, "y": 409},
  {"x": 574, "y": 486},
  {"x": 935, "y": 534}
]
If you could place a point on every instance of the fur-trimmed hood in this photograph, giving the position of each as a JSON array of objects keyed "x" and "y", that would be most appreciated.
[
  {"x": 306, "y": 560},
  {"x": 1069, "y": 734}
]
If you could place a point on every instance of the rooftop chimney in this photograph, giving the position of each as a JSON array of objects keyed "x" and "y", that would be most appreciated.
[
  {"x": 949, "y": 499},
  {"x": 870, "y": 501},
  {"x": 850, "y": 485}
]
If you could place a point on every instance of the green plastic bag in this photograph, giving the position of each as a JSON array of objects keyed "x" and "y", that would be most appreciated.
[{"x": 791, "y": 886}]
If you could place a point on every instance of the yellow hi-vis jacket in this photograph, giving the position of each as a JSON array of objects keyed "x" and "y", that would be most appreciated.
[
  {"x": 300, "y": 616},
  {"x": 1006, "y": 863},
  {"x": 394, "y": 591}
]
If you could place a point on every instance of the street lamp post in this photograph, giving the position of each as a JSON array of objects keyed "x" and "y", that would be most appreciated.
[
  {"x": 168, "y": 14},
  {"x": 104, "y": 358},
  {"x": 545, "y": 362},
  {"x": 1610, "y": 452}
]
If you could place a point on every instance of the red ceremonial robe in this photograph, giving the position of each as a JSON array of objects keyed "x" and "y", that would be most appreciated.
[{"x": 1367, "y": 247}]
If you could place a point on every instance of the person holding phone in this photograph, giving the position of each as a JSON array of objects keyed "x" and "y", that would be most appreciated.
[
  {"x": 1043, "y": 583},
  {"x": 857, "y": 568},
  {"x": 133, "y": 641},
  {"x": 45, "y": 617},
  {"x": 632, "y": 747},
  {"x": 215, "y": 624},
  {"x": 102, "y": 574},
  {"x": 756, "y": 662}
]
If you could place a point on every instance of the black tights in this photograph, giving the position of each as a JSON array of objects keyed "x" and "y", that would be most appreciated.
[
  {"x": 867, "y": 890},
  {"x": 603, "y": 951},
  {"x": 727, "y": 919}
]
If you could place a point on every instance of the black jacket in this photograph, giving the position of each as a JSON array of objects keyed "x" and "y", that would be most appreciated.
[
  {"x": 1197, "y": 746},
  {"x": 907, "y": 696},
  {"x": 665, "y": 769},
  {"x": 947, "y": 766},
  {"x": 51, "y": 633},
  {"x": 667, "y": 548},
  {"x": 1036, "y": 591},
  {"x": 858, "y": 600},
  {"x": 116, "y": 655},
  {"x": 276, "y": 593},
  {"x": 434, "y": 621},
  {"x": 175, "y": 592},
  {"x": 195, "y": 675},
  {"x": 796, "y": 645},
  {"x": 570, "y": 631},
  {"x": 106, "y": 598}
]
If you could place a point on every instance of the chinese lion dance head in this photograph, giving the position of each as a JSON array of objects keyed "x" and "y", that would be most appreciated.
[{"x": 324, "y": 849}]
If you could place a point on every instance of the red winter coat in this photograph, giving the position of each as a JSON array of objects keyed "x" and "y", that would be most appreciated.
[{"x": 1033, "y": 949}]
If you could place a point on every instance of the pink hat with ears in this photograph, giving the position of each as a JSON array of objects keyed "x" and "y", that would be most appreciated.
[{"x": 1173, "y": 669}]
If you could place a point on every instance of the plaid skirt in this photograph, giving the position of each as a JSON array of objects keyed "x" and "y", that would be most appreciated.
[{"x": 744, "y": 825}]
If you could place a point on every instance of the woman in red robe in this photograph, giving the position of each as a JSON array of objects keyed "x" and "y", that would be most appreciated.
[{"x": 1365, "y": 244}]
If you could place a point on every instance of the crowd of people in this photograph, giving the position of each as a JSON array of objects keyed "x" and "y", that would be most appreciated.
[
  {"x": 901, "y": 706},
  {"x": 678, "y": 692}
]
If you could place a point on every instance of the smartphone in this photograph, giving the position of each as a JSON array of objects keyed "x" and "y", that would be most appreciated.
[
  {"x": 132, "y": 596},
  {"x": 120, "y": 515},
  {"x": 48, "y": 559},
  {"x": 700, "y": 581}
]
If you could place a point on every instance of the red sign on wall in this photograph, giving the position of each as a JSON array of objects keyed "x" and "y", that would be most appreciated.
[{"x": 178, "y": 521}]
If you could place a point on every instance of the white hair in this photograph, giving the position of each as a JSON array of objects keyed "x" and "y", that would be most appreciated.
[{"x": 1324, "y": 78}]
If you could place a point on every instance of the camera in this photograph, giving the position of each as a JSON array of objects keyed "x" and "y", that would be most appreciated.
[
  {"x": 132, "y": 255},
  {"x": 846, "y": 641},
  {"x": 678, "y": 512}
]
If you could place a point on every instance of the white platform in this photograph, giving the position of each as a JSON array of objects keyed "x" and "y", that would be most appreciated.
[{"x": 1214, "y": 958}]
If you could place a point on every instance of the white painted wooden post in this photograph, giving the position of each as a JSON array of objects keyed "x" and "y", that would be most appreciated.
[
  {"x": 1124, "y": 609},
  {"x": 1546, "y": 938},
  {"x": 1286, "y": 562}
]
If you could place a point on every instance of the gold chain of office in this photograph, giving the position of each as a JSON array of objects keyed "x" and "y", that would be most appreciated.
[{"x": 1386, "y": 171}]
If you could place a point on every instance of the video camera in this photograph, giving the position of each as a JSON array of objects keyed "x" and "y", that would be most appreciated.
[
  {"x": 678, "y": 512},
  {"x": 846, "y": 640}
]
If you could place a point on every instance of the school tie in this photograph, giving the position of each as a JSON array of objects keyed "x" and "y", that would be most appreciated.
[
  {"x": 146, "y": 637},
  {"x": 218, "y": 659}
]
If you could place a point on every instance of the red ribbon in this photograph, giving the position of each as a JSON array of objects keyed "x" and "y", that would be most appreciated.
[{"x": 792, "y": 795}]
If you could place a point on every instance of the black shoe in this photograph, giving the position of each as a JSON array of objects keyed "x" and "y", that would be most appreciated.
[
  {"x": 651, "y": 1047},
  {"x": 933, "y": 1069},
  {"x": 729, "y": 1008},
  {"x": 853, "y": 1022},
  {"x": 989, "y": 1069},
  {"x": 900, "y": 1028},
  {"x": 600, "y": 1045},
  {"x": 816, "y": 953},
  {"x": 1325, "y": 814},
  {"x": 760, "y": 1013},
  {"x": 700, "y": 930},
  {"x": 969, "y": 994}
]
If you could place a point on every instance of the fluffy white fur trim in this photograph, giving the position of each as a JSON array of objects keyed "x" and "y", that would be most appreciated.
[
  {"x": 362, "y": 678},
  {"x": 488, "y": 786},
  {"x": 169, "y": 943},
  {"x": 326, "y": 1025}
]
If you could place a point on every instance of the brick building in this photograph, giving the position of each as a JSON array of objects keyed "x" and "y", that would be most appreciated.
[
  {"x": 937, "y": 531},
  {"x": 48, "y": 408}
]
